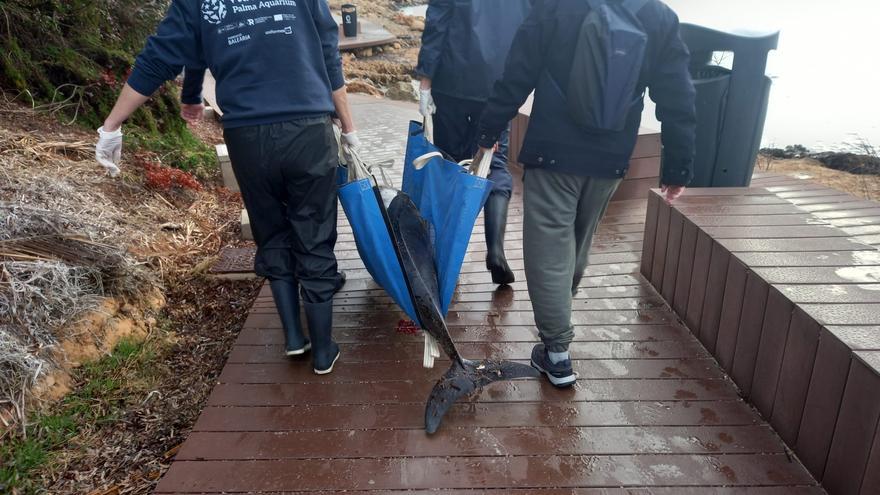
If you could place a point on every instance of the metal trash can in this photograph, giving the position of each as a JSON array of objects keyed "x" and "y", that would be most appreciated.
[
  {"x": 731, "y": 102},
  {"x": 349, "y": 20}
]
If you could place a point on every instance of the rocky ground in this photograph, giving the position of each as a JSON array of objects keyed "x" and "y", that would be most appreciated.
[{"x": 385, "y": 70}]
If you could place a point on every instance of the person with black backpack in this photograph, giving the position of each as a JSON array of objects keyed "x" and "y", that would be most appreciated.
[
  {"x": 589, "y": 63},
  {"x": 463, "y": 50}
]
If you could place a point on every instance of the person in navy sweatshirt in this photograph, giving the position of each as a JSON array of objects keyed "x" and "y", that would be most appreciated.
[
  {"x": 572, "y": 171},
  {"x": 278, "y": 80},
  {"x": 463, "y": 50}
]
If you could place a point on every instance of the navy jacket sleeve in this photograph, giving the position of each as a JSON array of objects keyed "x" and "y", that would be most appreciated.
[
  {"x": 672, "y": 89},
  {"x": 523, "y": 68},
  {"x": 191, "y": 94},
  {"x": 175, "y": 45},
  {"x": 434, "y": 38},
  {"x": 328, "y": 30}
]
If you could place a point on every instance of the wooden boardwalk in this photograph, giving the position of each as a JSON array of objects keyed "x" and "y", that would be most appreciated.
[{"x": 652, "y": 409}]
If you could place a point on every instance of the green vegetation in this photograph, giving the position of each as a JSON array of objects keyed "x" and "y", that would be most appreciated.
[
  {"x": 70, "y": 58},
  {"x": 101, "y": 398}
]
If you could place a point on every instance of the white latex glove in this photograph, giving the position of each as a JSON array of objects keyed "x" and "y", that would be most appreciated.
[
  {"x": 426, "y": 103},
  {"x": 108, "y": 151},
  {"x": 351, "y": 141}
]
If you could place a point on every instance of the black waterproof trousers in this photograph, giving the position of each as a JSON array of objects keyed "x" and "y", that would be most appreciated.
[{"x": 287, "y": 175}]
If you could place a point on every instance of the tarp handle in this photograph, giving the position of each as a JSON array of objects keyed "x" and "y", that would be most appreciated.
[
  {"x": 357, "y": 169},
  {"x": 485, "y": 165},
  {"x": 428, "y": 125},
  {"x": 481, "y": 169},
  {"x": 337, "y": 133},
  {"x": 420, "y": 162}
]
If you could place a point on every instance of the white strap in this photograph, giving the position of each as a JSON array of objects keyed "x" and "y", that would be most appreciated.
[
  {"x": 420, "y": 162},
  {"x": 429, "y": 129},
  {"x": 432, "y": 351},
  {"x": 357, "y": 169},
  {"x": 479, "y": 169},
  {"x": 337, "y": 132},
  {"x": 485, "y": 165},
  {"x": 383, "y": 171}
]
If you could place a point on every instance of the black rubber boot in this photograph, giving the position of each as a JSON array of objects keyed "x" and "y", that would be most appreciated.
[
  {"x": 286, "y": 295},
  {"x": 495, "y": 216},
  {"x": 340, "y": 281},
  {"x": 325, "y": 351}
]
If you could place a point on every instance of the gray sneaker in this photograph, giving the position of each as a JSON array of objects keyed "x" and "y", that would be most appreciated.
[{"x": 560, "y": 374}]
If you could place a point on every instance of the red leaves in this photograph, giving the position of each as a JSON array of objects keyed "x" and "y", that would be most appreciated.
[
  {"x": 108, "y": 78},
  {"x": 164, "y": 178}
]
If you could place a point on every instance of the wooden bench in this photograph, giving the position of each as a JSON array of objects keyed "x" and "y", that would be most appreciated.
[
  {"x": 369, "y": 34},
  {"x": 789, "y": 305}
]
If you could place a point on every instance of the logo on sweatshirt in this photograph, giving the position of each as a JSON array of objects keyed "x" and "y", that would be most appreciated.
[
  {"x": 237, "y": 38},
  {"x": 213, "y": 11}
]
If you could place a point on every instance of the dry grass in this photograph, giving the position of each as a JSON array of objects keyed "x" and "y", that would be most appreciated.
[
  {"x": 56, "y": 260},
  {"x": 71, "y": 236},
  {"x": 169, "y": 228},
  {"x": 75, "y": 235},
  {"x": 863, "y": 186}
]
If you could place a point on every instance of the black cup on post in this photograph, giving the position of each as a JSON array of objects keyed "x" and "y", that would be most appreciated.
[{"x": 349, "y": 20}]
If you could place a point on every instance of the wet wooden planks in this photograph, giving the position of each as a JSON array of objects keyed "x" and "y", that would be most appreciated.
[
  {"x": 651, "y": 408},
  {"x": 787, "y": 301},
  {"x": 652, "y": 412},
  {"x": 678, "y": 490},
  {"x": 497, "y": 471}
]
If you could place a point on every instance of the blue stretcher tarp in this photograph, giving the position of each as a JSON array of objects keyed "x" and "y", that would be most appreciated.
[
  {"x": 374, "y": 241},
  {"x": 448, "y": 198}
]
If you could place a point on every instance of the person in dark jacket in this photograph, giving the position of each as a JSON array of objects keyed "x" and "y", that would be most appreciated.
[
  {"x": 572, "y": 173},
  {"x": 463, "y": 50},
  {"x": 278, "y": 79}
]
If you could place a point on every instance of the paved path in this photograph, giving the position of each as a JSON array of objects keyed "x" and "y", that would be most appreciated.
[{"x": 651, "y": 409}]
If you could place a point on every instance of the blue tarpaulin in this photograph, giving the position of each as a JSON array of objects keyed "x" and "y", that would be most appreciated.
[
  {"x": 374, "y": 241},
  {"x": 448, "y": 198}
]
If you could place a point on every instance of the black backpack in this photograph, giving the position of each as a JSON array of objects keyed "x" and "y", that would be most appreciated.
[{"x": 607, "y": 64}]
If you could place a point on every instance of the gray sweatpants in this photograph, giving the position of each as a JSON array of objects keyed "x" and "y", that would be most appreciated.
[{"x": 562, "y": 212}]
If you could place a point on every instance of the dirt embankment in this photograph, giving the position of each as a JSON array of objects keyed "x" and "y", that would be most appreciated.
[{"x": 89, "y": 264}]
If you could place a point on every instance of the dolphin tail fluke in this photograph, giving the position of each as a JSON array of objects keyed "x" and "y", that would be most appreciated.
[{"x": 465, "y": 377}]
